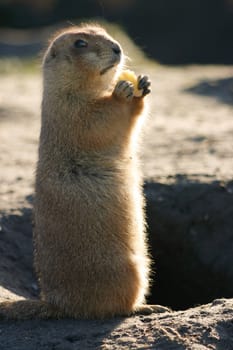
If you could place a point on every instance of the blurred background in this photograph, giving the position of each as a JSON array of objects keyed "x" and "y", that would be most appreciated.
[{"x": 170, "y": 31}]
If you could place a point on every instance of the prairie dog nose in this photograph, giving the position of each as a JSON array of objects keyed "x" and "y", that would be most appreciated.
[{"x": 116, "y": 49}]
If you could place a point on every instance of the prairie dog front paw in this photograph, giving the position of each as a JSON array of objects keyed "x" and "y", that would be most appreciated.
[
  {"x": 144, "y": 84},
  {"x": 140, "y": 84},
  {"x": 124, "y": 89}
]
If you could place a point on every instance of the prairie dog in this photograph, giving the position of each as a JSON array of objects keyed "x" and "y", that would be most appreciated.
[{"x": 91, "y": 253}]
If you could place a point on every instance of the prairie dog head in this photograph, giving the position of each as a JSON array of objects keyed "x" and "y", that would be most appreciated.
[{"x": 82, "y": 58}]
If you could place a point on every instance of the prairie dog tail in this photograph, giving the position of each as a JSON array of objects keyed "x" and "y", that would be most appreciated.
[{"x": 28, "y": 309}]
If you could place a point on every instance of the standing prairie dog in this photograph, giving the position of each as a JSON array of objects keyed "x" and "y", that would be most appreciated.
[{"x": 90, "y": 248}]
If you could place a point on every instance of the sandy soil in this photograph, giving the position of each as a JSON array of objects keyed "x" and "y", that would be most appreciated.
[
  {"x": 189, "y": 133},
  {"x": 203, "y": 328}
]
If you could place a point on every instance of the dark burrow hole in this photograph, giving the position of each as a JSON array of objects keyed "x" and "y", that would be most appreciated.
[{"x": 190, "y": 228}]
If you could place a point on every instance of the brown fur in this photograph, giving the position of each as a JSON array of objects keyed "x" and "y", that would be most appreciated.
[{"x": 90, "y": 247}]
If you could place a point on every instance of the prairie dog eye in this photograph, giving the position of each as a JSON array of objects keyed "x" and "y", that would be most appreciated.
[{"x": 80, "y": 43}]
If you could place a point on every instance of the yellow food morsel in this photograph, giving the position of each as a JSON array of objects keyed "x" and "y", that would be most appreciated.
[{"x": 129, "y": 75}]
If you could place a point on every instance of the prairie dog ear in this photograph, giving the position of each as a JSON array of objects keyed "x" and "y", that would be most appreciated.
[
  {"x": 53, "y": 52},
  {"x": 50, "y": 54}
]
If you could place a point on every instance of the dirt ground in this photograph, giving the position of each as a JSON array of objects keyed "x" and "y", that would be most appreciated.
[
  {"x": 188, "y": 136},
  {"x": 203, "y": 328}
]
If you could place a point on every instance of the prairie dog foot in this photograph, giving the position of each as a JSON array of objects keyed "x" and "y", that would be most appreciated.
[
  {"x": 124, "y": 89},
  {"x": 143, "y": 84},
  {"x": 150, "y": 309}
]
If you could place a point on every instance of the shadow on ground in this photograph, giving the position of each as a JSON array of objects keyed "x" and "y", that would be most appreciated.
[
  {"x": 221, "y": 89},
  {"x": 56, "y": 334},
  {"x": 190, "y": 234},
  {"x": 16, "y": 253}
]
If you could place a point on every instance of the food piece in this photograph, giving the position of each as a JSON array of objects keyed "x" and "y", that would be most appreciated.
[{"x": 129, "y": 75}]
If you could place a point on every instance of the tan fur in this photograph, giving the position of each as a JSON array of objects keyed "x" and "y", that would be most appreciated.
[{"x": 90, "y": 246}]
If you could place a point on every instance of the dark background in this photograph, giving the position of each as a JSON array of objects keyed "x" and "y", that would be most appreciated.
[{"x": 170, "y": 31}]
